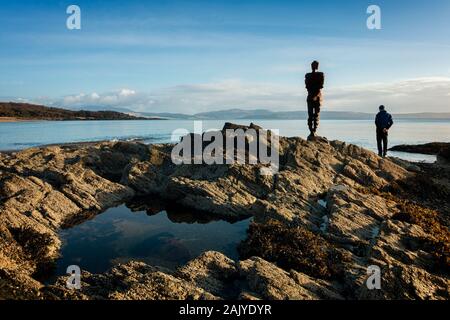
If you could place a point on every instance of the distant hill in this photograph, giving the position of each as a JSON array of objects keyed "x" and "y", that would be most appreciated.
[
  {"x": 263, "y": 114},
  {"x": 424, "y": 115},
  {"x": 166, "y": 115},
  {"x": 101, "y": 108},
  {"x": 259, "y": 114},
  {"x": 38, "y": 112},
  {"x": 25, "y": 111}
]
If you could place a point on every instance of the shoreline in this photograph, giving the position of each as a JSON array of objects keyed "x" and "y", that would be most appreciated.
[
  {"x": 12, "y": 119},
  {"x": 80, "y": 144}
]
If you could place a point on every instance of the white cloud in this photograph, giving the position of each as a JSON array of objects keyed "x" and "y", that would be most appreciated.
[
  {"x": 113, "y": 99},
  {"x": 430, "y": 94},
  {"x": 127, "y": 93}
]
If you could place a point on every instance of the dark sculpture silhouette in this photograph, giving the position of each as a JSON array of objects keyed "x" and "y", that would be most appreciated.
[
  {"x": 314, "y": 82},
  {"x": 384, "y": 122}
]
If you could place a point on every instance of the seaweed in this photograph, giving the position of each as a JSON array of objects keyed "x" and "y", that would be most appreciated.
[{"x": 292, "y": 248}]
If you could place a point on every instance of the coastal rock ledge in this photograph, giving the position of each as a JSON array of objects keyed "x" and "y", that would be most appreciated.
[{"x": 332, "y": 211}]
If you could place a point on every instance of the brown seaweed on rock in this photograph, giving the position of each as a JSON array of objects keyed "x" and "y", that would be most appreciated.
[{"x": 292, "y": 248}]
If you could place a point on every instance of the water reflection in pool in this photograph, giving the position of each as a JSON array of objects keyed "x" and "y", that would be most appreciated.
[{"x": 146, "y": 233}]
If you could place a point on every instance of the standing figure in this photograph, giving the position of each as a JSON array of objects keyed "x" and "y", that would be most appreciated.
[
  {"x": 384, "y": 122},
  {"x": 314, "y": 84}
]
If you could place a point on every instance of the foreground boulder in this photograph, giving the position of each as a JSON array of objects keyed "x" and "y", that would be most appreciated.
[{"x": 346, "y": 208}]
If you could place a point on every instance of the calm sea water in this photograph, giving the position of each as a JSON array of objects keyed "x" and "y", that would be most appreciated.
[
  {"x": 163, "y": 239},
  {"x": 21, "y": 135}
]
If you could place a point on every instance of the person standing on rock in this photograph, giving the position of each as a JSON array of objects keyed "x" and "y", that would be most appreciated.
[
  {"x": 314, "y": 82},
  {"x": 384, "y": 122}
]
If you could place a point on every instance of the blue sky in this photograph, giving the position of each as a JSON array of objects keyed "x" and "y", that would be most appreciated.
[{"x": 194, "y": 56}]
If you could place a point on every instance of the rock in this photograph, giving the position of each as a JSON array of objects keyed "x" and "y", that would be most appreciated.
[
  {"x": 210, "y": 276},
  {"x": 345, "y": 197},
  {"x": 131, "y": 281},
  {"x": 406, "y": 164},
  {"x": 440, "y": 149},
  {"x": 444, "y": 154},
  {"x": 213, "y": 272},
  {"x": 42, "y": 190},
  {"x": 270, "y": 282},
  {"x": 432, "y": 148}
]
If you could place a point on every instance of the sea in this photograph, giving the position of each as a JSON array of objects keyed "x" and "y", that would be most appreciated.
[{"x": 22, "y": 135}]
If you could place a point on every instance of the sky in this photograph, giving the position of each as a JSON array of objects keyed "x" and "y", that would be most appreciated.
[{"x": 197, "y": 56}]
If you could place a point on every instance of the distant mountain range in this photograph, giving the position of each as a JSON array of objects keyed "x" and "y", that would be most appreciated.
[
  {"x": 101, "y": 108},
  {"x": 263, "y": 114},
  {"x": 30, "y": 111}
]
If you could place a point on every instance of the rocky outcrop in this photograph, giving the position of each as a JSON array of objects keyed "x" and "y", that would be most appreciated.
[
  {"x": 346, "y": 208},
  {"x": 211, "y": 276},
  {"x": 427, "y": 148},
  {"x": 42, "y": 190},
  {"x": 440, "y": 149}
]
